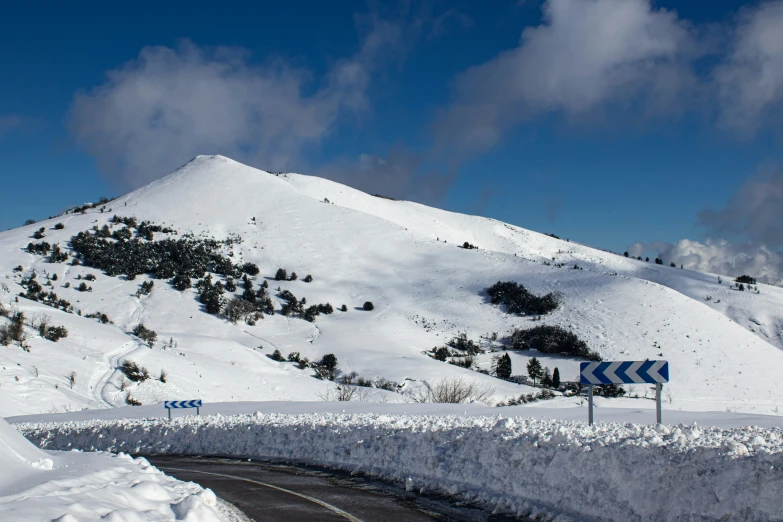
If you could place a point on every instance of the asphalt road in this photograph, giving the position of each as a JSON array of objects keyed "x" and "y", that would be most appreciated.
[{"x": 275, "y": 492}]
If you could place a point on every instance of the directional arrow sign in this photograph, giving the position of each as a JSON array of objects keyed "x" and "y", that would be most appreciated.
[
  {"x": 182, "y": 404},
  {"x": 624, "y": 372}
]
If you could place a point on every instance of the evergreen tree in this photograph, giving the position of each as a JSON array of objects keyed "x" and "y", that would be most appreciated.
[
  {"x": 534, "y": 370},
  {"x": 546, "y": 380},
  {"x": 556, "y": 379},
  {"x": 281, "y": 274},
  {"x": 503, "y": 367}
]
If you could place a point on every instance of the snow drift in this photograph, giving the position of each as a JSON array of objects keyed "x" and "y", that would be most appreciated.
[
  {"x": 79, "y": 487},
  {"x": 514, "y": 465}
]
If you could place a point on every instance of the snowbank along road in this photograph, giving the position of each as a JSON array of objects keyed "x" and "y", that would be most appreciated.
[{"x": 511, "y": 465}]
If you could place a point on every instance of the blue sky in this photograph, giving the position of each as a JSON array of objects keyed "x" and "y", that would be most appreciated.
[{"x": 611, "y": 122}]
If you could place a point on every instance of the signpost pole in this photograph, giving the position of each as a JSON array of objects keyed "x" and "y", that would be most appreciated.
[
  {"x": 198, "y": 411},
  {"x": 658, "y": 387},
  {"x": 590, "y": 403},
  {"x": 169, "y": 413}
]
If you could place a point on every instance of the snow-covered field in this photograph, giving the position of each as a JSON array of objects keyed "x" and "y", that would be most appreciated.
[
  {"x": 725, "y": 349},
  {"x": 725, "y": 353},
  {"x": 511, "y": 464},
  {"x": 71, "y": 486}
]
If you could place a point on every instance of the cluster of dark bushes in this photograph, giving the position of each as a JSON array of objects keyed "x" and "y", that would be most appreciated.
[
  {"x": 55, "y": 333},
  {"x": 520, "y": 301},
  {"x": 134, "y": 372},
  {"x": 384, "y": 197},
  {"x": 103, "y": 318},
  {"x": 145, "y": 288},
  {"x": 87, "y": 206},
  {"x": 529, "y": 397},
  {"x": 145, "y": 334},
  {"x": 13, "y": 332},
  {"x": 468, "y": 246},
  {"x": 162, "y": 259},
  {"x": 35, "y": 292},
  {"x": 324, "y": 369},
  {"x": 746, "y": 279},
  {"x": 295, "y": 308},
  {"x": 57, "y": 255},
  {"x": 40, "y": 233},
  {"x": 463, "y": 344},
  {"x": 251, "y": 306},
  {"x": 552, "y": 339},
  {"x": 40, "y": 249},
  {"x": 211, "y": 295},
  {"x": 282, "y": 275}
]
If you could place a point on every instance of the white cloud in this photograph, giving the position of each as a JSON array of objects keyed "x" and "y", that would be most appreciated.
[
  {"x": 168, "y": 105},
  {"x": 754, "y": 212},
  {"x": 750, "y": 81},
  {"x": 721, "y": 257},
  {"x": 588, "y": 54}
]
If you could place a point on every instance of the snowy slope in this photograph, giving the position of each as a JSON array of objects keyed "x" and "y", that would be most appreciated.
[
  {"x": 401, "y": 256},
  {"x": 69, "y": 486}
]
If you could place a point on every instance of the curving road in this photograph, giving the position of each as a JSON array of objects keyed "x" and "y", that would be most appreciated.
[{"x": 279, "y": 492}]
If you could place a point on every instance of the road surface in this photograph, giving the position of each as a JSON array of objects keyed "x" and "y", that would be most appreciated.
[{"x": 275, "y": 492}]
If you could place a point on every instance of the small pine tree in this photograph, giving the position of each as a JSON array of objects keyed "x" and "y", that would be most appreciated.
[
  {"x": 441, "y": 354},
  {"x": 503, "y": 367},
  {"x": 368, "y": 306},
  {"x": 556, "y": 379},
  {"x": 281, "y": 274},
  {"x": 534, "y": 370},
  {"x": 546, "y": 380}
]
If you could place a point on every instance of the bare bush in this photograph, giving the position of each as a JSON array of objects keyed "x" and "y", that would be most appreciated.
[
  {"x": 345, "y": 393},
  {"x": 455, "y": 390}
]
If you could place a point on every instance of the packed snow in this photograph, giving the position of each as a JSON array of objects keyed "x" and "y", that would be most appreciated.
[
  {"x": 725, "y": 353},
  {"x": 550, "y": 469},
  {"x": 71, "y": 486}
]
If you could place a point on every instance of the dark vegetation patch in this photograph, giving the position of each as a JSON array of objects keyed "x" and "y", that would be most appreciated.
[
  {"x": 520, "y": 301},
  {"x": 134, "y": 372},
  {"x": 552, "y": 339}
]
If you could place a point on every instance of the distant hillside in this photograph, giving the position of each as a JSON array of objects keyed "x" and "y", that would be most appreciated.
[{"x": 193, "y": 257}]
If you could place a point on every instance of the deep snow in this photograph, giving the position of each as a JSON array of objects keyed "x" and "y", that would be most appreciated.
[
  {"x": 512, "y": 465},
  {"x": 70, "y": 486},
  {"x": 404, "y": 257}
]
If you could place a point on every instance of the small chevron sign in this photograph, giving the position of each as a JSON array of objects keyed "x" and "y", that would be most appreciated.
[
  {"x": 624, "y": 372},
  {"x": 182, "y": 404}
]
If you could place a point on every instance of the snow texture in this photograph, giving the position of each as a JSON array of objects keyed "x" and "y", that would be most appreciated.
[
  {"x": 725, "y": 353},
  {"x": 73, "y": 486},
  {"x": 514, "y": 465}
]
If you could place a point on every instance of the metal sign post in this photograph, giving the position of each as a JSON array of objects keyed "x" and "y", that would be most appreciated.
[
  {"x": 170, "y": 405},
  {"x": 590, "y": 402},
  {"x": 624, "y": 372}
]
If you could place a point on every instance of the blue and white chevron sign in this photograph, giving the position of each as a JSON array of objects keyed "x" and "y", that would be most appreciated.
[
  {"x": 181, "y": 404},
  {"x": 624, "y": 372}
]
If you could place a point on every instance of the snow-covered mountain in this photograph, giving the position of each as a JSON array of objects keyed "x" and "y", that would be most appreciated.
[{"x": 724, "y": 346}]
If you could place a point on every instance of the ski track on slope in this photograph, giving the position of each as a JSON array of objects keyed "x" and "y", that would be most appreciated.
[{"x": 113, "y": 360}]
